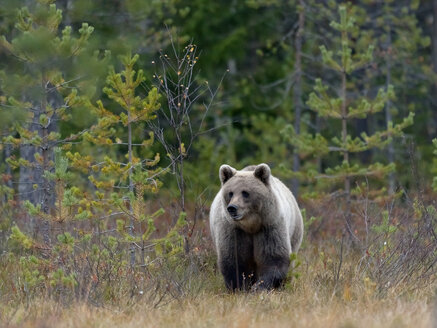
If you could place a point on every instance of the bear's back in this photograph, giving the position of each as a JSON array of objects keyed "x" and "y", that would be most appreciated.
[{"x": 289, "y": 211}]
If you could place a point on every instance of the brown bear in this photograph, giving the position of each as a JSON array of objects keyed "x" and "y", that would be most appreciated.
[{"x": 255, "y": 225}]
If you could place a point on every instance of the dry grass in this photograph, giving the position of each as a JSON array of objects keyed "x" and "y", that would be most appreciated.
[
  {"x": 276, "y": 309},
  {"x": 315, "y": 299},
  {"x": 391, "y": 285}
]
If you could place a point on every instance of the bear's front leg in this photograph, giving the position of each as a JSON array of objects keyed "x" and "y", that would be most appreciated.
[
  {"x": 236, "y": 261},
  {"x": 272, "y": 273},
  {"x": 271, "y": 257}
]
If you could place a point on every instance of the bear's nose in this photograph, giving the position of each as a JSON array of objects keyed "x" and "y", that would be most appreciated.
[{"x": 232, "y": 210}]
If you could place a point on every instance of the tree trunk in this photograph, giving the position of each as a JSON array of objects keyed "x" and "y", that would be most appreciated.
[
  {"x": 297, "y": 93},
  {"x": 7, "y": 151},
  {"x": 33, "y": 175},
  {"x": 48, "y": 189},
  {"x": 318, "y": 124},
  {"x": 347, "y": 182},
  {"x": 388, "y": 116},
  {"x": 30, "y": 176},
  {"x": 131, "y": 190},
  {"x": 434, "y": 64}
]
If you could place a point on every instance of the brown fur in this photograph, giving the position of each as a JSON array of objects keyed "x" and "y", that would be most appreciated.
[{"x": 255, "y": 225}]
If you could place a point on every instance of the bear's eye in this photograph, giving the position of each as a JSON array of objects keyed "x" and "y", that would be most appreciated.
[
  {"x": 231, "y": 194},
  {"x": 245, "y": 194}
]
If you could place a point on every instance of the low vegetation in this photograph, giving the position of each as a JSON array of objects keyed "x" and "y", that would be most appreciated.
[
  {"x": 389, "y": 283},
  {"x": 312, "y": 300}
]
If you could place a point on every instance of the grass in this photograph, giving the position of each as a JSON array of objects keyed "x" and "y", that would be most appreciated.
[
  {"x": 275, "y": 309},
  {"x": 389, "y": 282},
  {"x": 316, "y": 299}
]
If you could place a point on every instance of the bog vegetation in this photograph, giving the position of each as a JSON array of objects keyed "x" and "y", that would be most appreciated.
[{"x": 114, "y": 120}]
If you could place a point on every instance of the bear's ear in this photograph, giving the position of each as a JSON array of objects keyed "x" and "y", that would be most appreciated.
[
  {"x": 226, "y": 172},
  {"x": 262, "y": 172}
]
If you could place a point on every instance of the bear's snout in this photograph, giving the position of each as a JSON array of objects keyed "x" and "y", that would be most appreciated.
[{"x": 233, "y": 211}]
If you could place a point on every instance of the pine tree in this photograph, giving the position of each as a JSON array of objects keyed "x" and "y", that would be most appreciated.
[
  {"x": 121, "y": 88},
  {"x": 282, "y": 83},
  {"x": 99, "y": 219},
  {"x": 122, "y": 177},
  {"x": 398, "y": 39},
  {"x": 343, "y": 110},
  {"x": 36, "y": 82}
]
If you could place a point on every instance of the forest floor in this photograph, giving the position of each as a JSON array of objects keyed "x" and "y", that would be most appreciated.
[
  {"x": 276, "y": 309},
  {"x": 315, "y": 299}
]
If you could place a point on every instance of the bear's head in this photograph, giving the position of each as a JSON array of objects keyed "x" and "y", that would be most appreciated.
[{"x": 246, "y": 194}]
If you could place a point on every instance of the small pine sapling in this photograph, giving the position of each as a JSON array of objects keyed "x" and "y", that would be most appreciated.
[{"x": 343, "y": 110}]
